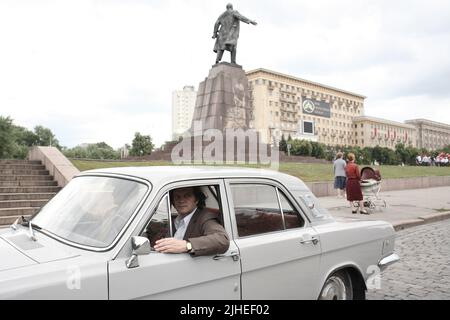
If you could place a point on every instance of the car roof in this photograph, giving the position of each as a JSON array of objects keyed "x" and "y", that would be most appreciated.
[{"x": 158, "y": 175}]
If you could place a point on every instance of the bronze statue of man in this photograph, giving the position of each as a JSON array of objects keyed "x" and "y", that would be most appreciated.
[{"x": 226, "y": 32}]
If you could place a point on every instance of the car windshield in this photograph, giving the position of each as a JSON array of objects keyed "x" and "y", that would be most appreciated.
[{"x": 91, "y": 211}]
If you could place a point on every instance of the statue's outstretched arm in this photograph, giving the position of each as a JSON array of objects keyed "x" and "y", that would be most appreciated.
[{"x": 239, "y": 16}]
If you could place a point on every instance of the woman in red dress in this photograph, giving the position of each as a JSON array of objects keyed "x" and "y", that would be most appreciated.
[{"x": 353, "y": 187}]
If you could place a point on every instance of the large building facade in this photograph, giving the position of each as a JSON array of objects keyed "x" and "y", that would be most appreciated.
[
  {"x": 183, "y": 104},
  {"x": 372, "y": 132},
  {"x": 431, "y": 135},
  {"x": 290, "y": 106}
]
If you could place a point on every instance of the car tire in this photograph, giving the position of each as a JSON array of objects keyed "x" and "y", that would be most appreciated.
[{"x": 338, "y": 286}]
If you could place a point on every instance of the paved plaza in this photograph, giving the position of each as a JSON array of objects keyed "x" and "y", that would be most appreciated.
[
  {"x": 423, "y": 242},
  {"x": 404, "y": 208},
  {"x": 424, "y": 269}
]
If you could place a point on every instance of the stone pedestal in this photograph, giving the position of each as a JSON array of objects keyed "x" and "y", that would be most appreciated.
[
  {"x": 222, "y": 125},
  {"x": 223, "y": 100}
]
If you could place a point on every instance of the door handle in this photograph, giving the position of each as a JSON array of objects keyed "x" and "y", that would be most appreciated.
[
  {"x": 233, "y": 254},
  {"x": 313, "y": 240}
]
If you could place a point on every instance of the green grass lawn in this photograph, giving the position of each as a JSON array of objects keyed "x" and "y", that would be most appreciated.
[{"x": 306, "y": 172}]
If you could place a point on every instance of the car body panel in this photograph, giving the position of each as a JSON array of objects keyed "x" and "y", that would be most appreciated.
[
  {"x": 276, "y": 257},
  {"x": 57, "y": 271},
  {"x": 175, "y": 276},
  {"x": 340, "y": 250},
  {"x": 274, "y": 264},
  {"x": 12, "y": 258},
  {"x": 42, "y": 251}
]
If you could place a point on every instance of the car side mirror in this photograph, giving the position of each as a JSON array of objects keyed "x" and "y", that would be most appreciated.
[{"x": 140, "y": 246}]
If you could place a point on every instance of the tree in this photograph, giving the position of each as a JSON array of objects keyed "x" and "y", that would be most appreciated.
[
  {"x": 102, "y": 145},
  {"x": 283, "y": 144},
  {"x": 46, "y": 137},
  {"x": 412, "y": 153},
  {"x": 25, "y": 137},
  {"x": 318, "y": 150},
  {"x": 366, "y": 155},
  {"x": 7, "y": 137},
  {"x": 99, "y": 150},
  {"x": 301, "y": 148},
  {"x": 141, "y": 145},
  {"x": 76, "y": 153},
  {"x": 15, "y": 140},
  {"x": 402, "y": 153},
  {"x": 102, "y": 150},
  {"x": 377, "y": 154}
]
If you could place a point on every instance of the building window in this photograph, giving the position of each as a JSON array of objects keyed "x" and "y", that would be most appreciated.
[{"x": 308, "y": 127}]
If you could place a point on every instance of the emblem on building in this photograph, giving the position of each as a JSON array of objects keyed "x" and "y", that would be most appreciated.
[{"x": 308, "y": 106}]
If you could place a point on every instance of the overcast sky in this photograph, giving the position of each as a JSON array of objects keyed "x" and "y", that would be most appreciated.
[{"x": 101, "y": 70}]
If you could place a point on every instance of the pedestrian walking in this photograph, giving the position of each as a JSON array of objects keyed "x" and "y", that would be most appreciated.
[
  {"x": 339, "y": 175},
  {"x": 353, "y": 186}
]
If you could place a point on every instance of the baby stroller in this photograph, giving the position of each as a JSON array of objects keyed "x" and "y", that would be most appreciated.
[{"x": 370, "y": 187}]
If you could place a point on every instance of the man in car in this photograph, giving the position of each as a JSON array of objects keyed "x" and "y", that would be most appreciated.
[{"x": 198, "y": 231}]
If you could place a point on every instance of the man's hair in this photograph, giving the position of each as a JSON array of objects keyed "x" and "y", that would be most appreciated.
[
  {"x": 229, "y": 6},
  {"x": 339, "y": 155},
  {"x": 198, "y": 193}
]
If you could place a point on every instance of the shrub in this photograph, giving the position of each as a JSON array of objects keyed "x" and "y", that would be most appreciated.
[{"x": 301, "y": 148}]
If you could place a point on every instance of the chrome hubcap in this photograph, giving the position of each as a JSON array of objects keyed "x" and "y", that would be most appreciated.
[{"x": 334, "y": 289}]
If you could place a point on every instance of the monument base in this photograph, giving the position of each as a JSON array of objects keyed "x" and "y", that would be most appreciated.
[
  {"x": 223, "y": 100},
  {"x": 233, "y": 147}
]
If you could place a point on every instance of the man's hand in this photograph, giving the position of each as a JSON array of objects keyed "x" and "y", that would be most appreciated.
[
  {"x": 170, "y": 245},
  {"x": 214, "y": 36},
  {"x": 253, "y": 23}
]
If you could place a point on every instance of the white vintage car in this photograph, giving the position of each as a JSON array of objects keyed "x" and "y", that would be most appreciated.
[{"x": 88, "y": 243}]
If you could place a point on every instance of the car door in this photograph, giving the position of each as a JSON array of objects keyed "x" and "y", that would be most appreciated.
[
  {"x": 279, "y": 251},
  {"x": 178, "y": 276}
]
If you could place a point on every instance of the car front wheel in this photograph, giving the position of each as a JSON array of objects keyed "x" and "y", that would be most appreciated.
[{"x": 338, "y": 286}]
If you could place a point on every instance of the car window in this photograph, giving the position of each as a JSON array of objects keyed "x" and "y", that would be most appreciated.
[
  {"x": 256, "y": 209},
  {"x": 90, "y": 210},
  {"x": 159, "y": 227},
  {"x": 291, "y": 216}
]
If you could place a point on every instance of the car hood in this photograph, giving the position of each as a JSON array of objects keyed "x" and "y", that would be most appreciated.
[
  {"x": 18, "y": 250},
  {"x": 11, "y": 258}
]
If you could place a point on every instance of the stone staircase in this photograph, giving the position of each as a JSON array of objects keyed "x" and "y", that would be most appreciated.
[{"x": 25, "y": 186}]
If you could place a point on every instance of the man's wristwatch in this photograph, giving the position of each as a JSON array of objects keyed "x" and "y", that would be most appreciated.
[{"x": 188, "y": 246}]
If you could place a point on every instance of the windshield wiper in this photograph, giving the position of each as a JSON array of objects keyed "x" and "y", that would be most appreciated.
[{"x": 30, "y": 225}]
